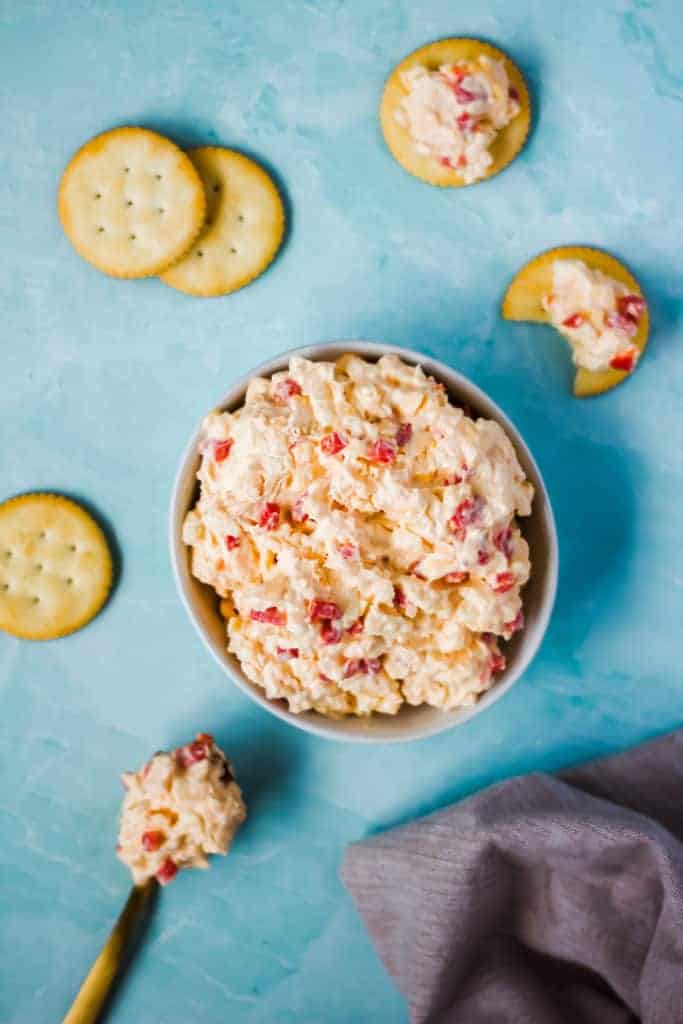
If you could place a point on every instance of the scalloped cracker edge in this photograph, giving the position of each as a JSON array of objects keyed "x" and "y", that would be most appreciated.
[
  {"x": 131, "y": 202},
  {"x": 55, "y": 566},
  {"x": 244, "y": 226}
]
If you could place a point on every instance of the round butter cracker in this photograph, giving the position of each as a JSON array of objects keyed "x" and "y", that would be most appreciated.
[
  {"x": 505, "y": 147},
  {"x": 245, "y": 222},
  {"x": 522, "y": 301},
  {"x": 131, "y": 202},
  {"x": 55, "y": 567}
]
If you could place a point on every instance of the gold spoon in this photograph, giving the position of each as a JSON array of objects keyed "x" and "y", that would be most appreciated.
[{"x": 110, "y": 964}]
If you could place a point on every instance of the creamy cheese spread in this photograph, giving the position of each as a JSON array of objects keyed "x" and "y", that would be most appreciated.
[
  {"x": 455, "y": 113},
  {"x": 178, "y": 808},
  {"x": 362, "y": 533},
  {"x": 597, "y": 314}
]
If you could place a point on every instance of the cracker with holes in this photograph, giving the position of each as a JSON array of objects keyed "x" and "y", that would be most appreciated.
[
  {"x": 455, "y": 112},
  {"x": 244, "y": 225},
  {"x": 55, "y": 567},
  {"x": 131, "y": 202}
]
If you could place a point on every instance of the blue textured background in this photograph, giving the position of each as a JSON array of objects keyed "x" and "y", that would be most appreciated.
[{"x": 102, "y": 382}]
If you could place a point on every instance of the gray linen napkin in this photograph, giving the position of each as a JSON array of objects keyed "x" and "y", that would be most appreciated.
[{"x": 541, "y": 900}]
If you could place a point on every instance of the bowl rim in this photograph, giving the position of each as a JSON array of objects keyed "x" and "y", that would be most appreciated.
[{"x": 314, "y": 722}]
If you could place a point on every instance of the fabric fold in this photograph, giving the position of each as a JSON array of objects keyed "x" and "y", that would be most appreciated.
[{"x": 556, "y": 900}]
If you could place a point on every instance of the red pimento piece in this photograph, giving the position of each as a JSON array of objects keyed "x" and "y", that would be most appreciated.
[
  {"x": 462, "y": 94},
  {"x": 285, "y": 389},
  {"x": 513, "y": 93},
  {"x": 152, "y": 840},
  {"x": 382, "y": 451},
  {"x": 575, "y": 320},
  {"x": 466, "y": 514},
  {"x": 362, "y": 666},
  {"x": 516, "y": 624},
  {"x": 273, "y": 616},
  {"x": 483, "y": 557},
  {"x": 323, "y": 678},
  {"x": 445, "y": 162},
  {"x": 624, "y": 360},
  {"x": 462, "y": 121},
  {"x": 503, "y": 541},
  {"x": 322, "y": 611},
  {"x": 298, "y": 514},
  {"x": 331, "y": 444},
  {"x": 624, "y": 324},
  {"x": 196, "y": 751},
  {"x": 287, "y": 653},
  {"x": 400, "y": 599},
  {"x": 356, "y": 628},
  {"x": 404, "y": 434},
  {"x": 270, "y": 516},
  {"x": 231, "y": 542},
  {"x": 347, "y": 550},
  {"x": 330, "y": 633},
  {"x": 631, "y": 306},
  {"x": 221, "y": 450},
  {"x": 167, "y": 871},
  {"x": 462, "y": 161},
  {"x": 504, "y": 581},
  {"x": 353, "y": 667},
  {"x": 451, "y": 481},
  {"x": 497, "y": 662},
  {"x": 456, "y": 577}
]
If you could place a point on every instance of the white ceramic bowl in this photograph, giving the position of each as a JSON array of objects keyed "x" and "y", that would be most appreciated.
[{"x": 410, "y": 723}]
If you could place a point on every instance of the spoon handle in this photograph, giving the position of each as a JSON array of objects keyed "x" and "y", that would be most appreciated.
[{"x": 94, "y": 991}]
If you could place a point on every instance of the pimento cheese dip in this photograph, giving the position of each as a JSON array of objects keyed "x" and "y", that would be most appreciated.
[
  {"x": 362, "y": 533},
  {"x": 596, "y": 314},
  {"x": 178, "y": 808},
  {"x": 455, "y": 113}
]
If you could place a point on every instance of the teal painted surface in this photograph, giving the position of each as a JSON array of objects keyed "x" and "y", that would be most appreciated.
[{"x": 103, "y": 381}]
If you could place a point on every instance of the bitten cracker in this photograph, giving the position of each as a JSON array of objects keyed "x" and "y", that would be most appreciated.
[
  {"x": 522, "y": 301},
  {"x": 244, "y": 225},
  {"x": 55, "y": 567},
  {"x": 509, "y": 140},
  {"x": 131, "y": 202}
]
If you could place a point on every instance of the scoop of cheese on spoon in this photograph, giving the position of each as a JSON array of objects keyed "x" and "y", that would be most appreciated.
[{"x": 178, "y": 808}]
